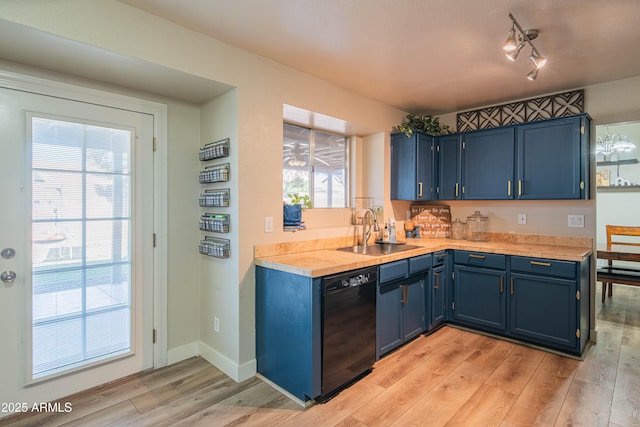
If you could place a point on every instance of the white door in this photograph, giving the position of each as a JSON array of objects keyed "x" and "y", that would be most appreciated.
[{"x": 76, "y": 207}]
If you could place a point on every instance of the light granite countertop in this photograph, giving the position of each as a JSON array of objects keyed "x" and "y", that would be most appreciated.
[{"x": 317, "y": 260}]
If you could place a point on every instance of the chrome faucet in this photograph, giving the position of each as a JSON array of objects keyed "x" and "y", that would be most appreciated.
[{"x": 366, "y": 231}]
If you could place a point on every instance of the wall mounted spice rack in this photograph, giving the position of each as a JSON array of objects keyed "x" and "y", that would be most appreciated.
[
  {"x": 217, "y": 173},
  {"x": 218, "y": 223},
  {"x": 215, "y": 198},
  {"x": 215, "y": 247},
  {"x": 214, "y": 150}
]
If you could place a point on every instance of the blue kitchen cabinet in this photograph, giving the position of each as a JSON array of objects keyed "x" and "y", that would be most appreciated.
[
  {"x": 288, "y": 331},
  {"x": 488, "y": 159},
  {"x": 437, "y": 291},
  {"x": 413, "y": 167},
  {"x": 449, "y": 151},
  {"x": 548, "y": 302},
  {"x": 400, "y": 303},
  {"x": 553, "y": 159},
  {"x": 479, "y": 298}
]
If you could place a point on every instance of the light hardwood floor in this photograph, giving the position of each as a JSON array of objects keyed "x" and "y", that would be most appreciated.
[{"x": 452, "y": 377}]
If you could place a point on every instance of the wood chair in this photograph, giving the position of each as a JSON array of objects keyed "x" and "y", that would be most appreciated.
[{"x": 618, "y": 230}]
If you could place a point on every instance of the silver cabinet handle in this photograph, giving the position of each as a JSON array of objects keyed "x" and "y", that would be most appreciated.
[{"x": 8, "y": 276}]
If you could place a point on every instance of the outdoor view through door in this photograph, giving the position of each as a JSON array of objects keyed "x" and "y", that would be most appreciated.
[{"x": 81, "y": 244}]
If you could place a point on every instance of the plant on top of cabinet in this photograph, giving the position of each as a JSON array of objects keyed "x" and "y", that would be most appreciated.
[{"x": 427, "y": 124}]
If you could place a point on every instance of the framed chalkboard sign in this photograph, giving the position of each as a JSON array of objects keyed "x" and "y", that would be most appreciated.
[{"x": 433, "y": 221}]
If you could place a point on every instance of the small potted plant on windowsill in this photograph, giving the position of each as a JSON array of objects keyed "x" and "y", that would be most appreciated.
[
  {"x": 292, "y": 213},
  {"x": 427, "y": 124}
]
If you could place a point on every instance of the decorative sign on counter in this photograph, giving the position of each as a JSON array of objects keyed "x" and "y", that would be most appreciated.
[{"x": 433, "y": 221}]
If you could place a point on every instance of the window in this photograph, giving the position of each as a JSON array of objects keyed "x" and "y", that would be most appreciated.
[
  {"x": 81, "y": 244},
  {"x": 314, "y": 163}
]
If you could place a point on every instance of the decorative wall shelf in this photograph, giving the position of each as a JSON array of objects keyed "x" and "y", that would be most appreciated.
[
  {"x": 617, "y": 162},
  {"x": 618, "y": 188}
]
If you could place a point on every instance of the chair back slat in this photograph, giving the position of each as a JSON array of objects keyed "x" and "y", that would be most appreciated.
[{"x": 622, "y": 230}]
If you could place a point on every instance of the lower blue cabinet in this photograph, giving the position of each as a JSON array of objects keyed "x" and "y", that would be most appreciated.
[
  {"x": 479, "y": 298},
  {"x": 400, "y": 304},
  {"x": 436, "y": 292},
  {"x": 543, "y": 310},
  {"x": 541, "y": 301}
]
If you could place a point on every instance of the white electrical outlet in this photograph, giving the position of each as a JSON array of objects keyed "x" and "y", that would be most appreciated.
[
  {"x": 576, "y": 221},
  {"x": 216, "y": 324},
  {"x": 268, "y": 224},
  {"x": 522, "y": 218}
]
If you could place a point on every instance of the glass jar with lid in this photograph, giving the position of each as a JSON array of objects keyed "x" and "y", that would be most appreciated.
[
  {"x": 477, "y": 227},
  {"x": 457, "y": 229}
]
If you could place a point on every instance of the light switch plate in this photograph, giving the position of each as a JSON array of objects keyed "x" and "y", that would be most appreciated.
[
  {"x": 576, "y": 221},
  {"x": 522, "y": 218},
  {"x": 268, "y": 224}
]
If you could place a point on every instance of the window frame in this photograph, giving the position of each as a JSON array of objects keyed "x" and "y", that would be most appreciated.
[{"x": 312, "y": 164}]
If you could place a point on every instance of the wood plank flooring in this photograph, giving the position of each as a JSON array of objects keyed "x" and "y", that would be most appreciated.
[{"x": 452, "y": 377}]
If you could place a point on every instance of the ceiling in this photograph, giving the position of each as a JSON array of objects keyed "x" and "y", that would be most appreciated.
[{"x": 421, "y": 56}]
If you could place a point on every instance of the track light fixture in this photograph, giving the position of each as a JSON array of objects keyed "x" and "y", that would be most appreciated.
[{"x": 516, "y": 41}]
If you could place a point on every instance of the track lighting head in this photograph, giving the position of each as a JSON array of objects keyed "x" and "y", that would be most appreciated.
[
  {"x": 510, "y": 43},
  {"x": 513, "y": 55},
  {"x": 537, "y": 60},
  {"x": 516, "y": 41}
]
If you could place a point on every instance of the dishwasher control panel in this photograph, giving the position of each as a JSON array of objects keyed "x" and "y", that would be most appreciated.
[{"x": 350, "y": 279}]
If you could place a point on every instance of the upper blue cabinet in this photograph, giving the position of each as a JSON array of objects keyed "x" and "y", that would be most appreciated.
[
  {"x": 413, "y": 167},
  {"x": 488, "y": 157},
  {"x": 541, "y": 160},
  {"x": 553, "y": 159}
]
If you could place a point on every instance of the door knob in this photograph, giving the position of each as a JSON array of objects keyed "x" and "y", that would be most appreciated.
[{"x": 8, "y": 276}]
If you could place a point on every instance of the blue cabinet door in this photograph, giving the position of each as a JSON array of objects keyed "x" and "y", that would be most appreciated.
[
  {"x": 488, "y": 159},
  {"x": 553, "y": 159},
  {"x": 412, "y": 167},
  {"x": 389, "y": 333},
  {"x": 437, "y": 297},
  {"x": 479, "y": 298},
  {"x": 543, "y": 310},
  {"x": 413, "y": 308},
  {"x": 449, "y": 167}
]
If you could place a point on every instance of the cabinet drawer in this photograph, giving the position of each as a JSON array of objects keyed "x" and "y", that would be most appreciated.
[
  {"x": 547, "y": 267},
  {"x": 394, "y": 270},
  {"x": 480, "y": 259},
  {"x": 419, "y": 263},
  {"x": 439, "y": 258}
]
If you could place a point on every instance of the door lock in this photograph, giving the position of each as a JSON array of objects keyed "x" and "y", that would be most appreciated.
[
  {"x": 8, "y": 276},
  {"x": 8, "y": 253}
]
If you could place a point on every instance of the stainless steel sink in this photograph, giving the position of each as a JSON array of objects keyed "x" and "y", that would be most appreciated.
[{"x": 378, "y": 249}]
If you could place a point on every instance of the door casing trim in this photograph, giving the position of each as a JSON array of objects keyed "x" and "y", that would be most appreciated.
[{"x": 158, "y": 110}]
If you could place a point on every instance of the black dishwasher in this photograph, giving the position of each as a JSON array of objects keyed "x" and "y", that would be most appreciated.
[{"x": 348, "y": 329}]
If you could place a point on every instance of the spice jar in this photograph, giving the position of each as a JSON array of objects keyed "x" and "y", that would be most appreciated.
[{"x": 477, "y": 227}]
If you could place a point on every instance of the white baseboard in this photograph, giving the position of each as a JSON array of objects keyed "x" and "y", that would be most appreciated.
[
  {"x": 237, "y": 372},
  {"x": 183, "y": 352}
]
